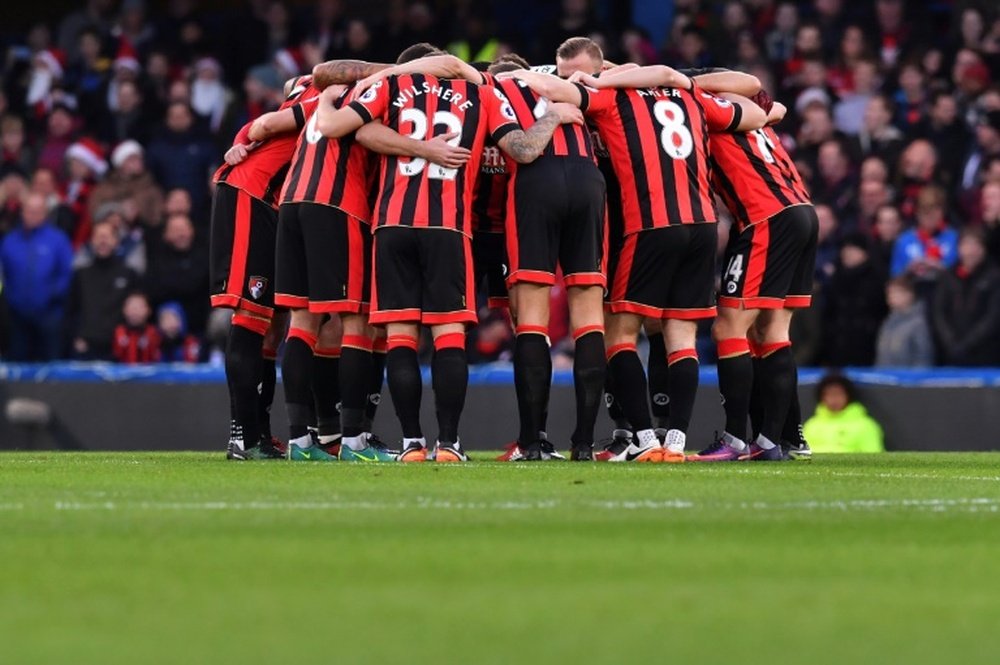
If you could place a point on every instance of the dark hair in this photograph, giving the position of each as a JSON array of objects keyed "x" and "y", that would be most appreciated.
[
  {"x": 508, "y": 62},
  {"x": 417, "y": 51},
  {"x": 837, "y": 379},
  {"x": 904, "y": 282},
  {"x": 574, "y": 46}
]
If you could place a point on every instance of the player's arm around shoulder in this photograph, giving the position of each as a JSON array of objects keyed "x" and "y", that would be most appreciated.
[
  {"x": 335, "y": 123},
  {"x": 750, "y": 116},
  {"x": 524, "y": 147},
  {"x": 551, "y": 87},
  {"x": 440, "y": 150}
]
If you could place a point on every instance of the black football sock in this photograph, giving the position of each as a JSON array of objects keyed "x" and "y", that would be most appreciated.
[
  {"x": 297, "y": 378},
  {"x": 683, "y": 388},
  {"x": 778, "y": 381},
  {"x": 614, "y": 404},
  {"x": 243, "y": 364},
  {"x": 792, "y": 431},
  {"x": 405, "y": 385},
  {"x": 532, "y": 381},
  {"x": 266, "y": 398},
  {"x": 450, "y": 377},
  {"x": 589, "y": 369},
  {"x": 630, "y": 386},
  {"x": 756, "y": 406},
  {"x": 659, "y": 378},
  {"x": 375, "y": 387},
  {"x": 326, "y": 392},
  {"x": 355, "y": 381},
  {"x": 735, "y": 382}
]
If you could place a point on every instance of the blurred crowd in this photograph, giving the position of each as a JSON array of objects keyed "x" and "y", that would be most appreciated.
[{"x": 113, "y": 117}]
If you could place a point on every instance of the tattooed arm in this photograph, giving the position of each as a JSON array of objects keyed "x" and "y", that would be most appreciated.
[
  {"x": 525, "y": 146},
  {"x": 344, "y": 71}
]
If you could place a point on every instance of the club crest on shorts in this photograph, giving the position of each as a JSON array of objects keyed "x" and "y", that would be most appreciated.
[{"x": 257, "y": 286}]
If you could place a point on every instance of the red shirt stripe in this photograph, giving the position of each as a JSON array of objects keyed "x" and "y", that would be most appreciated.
[
  {"x": 658, "y": 142},
  {"x": 263, "y": 172},
  {"x": 754, "y": 175},
  {"x": 413, "y": 192}
]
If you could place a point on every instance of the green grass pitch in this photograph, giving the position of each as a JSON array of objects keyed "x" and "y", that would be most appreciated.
[{"x": 184, "y": 558}]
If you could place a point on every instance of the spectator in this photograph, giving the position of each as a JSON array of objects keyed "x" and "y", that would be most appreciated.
[
  {"x": 877, "y": 135},
  {"x": 841, "y": 423},
  {"x": 96, "y": 296},
  {"x": 874, "y": 168},
  {"x": 12, "y": 191},
  {"x": 990, "y": 214},
  {"x": 932, "y": 246},
  {"x": 37, "y": 260},
  {"x": 987, "y": 147},
  {"x": 88, "y": 74},
  {"x": 176, "y": 345},
  {"x": 826, "y": 244},
  {"x": 836, "y": 186},
  {"x": 967, "y": 306},
  {"x": 210, "y": 98},
  {"x": 178, "y": 271},
  {"x": 854, "y": 306},
  {"x": 45, "y": 183},
  {"x": 178, "y": 202},
  {"x": 179, "y": 156},
  {"x": 944, "y": 128},
  {"x": 850, "y": 113},
  {"x": 780, "y": 41},
  {"x": 92, "y": 15},
  {"x": 130, "y": 180},
  {"x": 15, "y": 152},
  {"x": 127, "y": 119},
  {"x": 85, "y": 164},
  {"x": 872, "y": 195},
  {"x": 131, "y": 246},
  {"x": 888, "y": 228},
  {"x": 904, "y": 340},
  {"x": 58, "y": 138},
  {"x": 917, "y": 168},
  {"x": 136, "y": 340}
]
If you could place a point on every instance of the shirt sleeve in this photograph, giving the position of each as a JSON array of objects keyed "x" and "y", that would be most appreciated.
[
  {"x": 374, "y": 103},
  {"x": 593, "y": 101},
  {"x": 500, "y": 117},
  {"x": 721, "y": 114}
]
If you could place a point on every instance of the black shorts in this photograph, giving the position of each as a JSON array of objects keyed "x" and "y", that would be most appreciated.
[
  {"x": 323, "y": 260},
  {"x": 556, "y": 218},
  {"x": 489, "y": 254},
  {"x": 770, "y": 264},
  {"x": 241, "y": 264},
  {"x": 422, "y": 276},
  {"x": 667, "y": 273}
]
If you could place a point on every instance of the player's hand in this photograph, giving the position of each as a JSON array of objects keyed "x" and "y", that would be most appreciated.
[
  {"x": 588, "y": 80},
  {"x": 567, "y": 113},
  {"x": 439, "y": 151},
  {"x": 516, "y": 74},
  {"x": 236, "y": 154},
  {"x": 362, "y": 86}
]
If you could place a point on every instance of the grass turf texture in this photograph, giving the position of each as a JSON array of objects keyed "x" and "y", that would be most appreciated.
[{"x": 184, "y": 558}]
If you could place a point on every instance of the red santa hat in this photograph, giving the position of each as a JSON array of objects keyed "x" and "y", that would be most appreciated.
[
  {"x": 290, "y": 61},
  {"x": 123, "y": 151},
  {"x": 53, "y": 59},
  {"x": 126, "y": 57},
  {"x": 89, "y": 152}
]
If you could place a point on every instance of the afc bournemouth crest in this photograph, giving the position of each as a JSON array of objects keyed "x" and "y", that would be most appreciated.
[{"x": 257, "y": 286}]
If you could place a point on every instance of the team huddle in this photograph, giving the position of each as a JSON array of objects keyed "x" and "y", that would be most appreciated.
[{"x": 379, "y": 199}]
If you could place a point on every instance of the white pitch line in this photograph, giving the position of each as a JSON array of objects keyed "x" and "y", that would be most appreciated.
[{"x": 961, "y": 504}]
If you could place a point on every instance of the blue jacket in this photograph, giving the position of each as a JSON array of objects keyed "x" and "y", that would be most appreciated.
[
  {"x": 908, "y": 248},
  {"x": 37, "y": 269}
]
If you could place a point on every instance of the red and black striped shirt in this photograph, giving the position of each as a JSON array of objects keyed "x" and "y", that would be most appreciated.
[
  {"x": 754, "y": 175},
  {"x": 413, "y": 192},
  {"x": 136, "y": 345},
  {"x": 567, "y": 140},
  {"x": 658, "y": 142},
  {"x": 489, "y": 200},
  {"x": 333, "y": 172},
  {"x": 263, "y": 172}
]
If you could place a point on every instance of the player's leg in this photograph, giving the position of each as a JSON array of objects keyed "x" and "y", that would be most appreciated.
[
  {"x": 448, "y": 300},
  {"x": 326, "y": 384},
  {"x": 379, "y": 349},
  {"x": 355, "y": 379},
  {"x": 586, "y": 312},
  {"x": 583, "y": 256},
  {"x": 682, "y": 388},
  {"x": 268, "y": 380},
  {"x": 743, "y": 272},
  {"x": 532, "y": 364},
  {"x": 397, "y": 288},
  {"x": 297, "y": 380},
  {"x": 777, "y": 380},
  {"x": 241, "y": 273},
  {"x": 659, "y": 375},
  {"x": 629, "y": 378}
]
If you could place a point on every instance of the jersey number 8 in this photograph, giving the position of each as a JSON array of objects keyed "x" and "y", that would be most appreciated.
[
  {"x": 415, "y": 166},
  {"x": 675, "y": 138}
]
